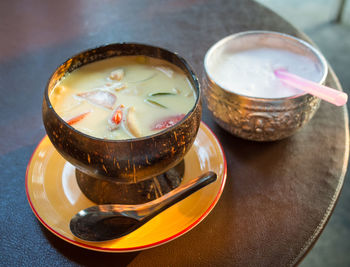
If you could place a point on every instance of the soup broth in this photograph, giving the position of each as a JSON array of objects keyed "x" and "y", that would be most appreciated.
[{"x": 123, "y": 97}]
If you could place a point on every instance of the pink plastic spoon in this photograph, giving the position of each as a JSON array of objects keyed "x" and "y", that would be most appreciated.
[{"x": 328, "y": 94}]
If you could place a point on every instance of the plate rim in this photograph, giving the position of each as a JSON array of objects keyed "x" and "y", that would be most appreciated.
[{"x": 136, "y": 248}]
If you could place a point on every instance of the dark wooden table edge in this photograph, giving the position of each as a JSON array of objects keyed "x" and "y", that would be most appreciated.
[
  {"x": 321, "y": 226},
  {"x": 308, "y": 245}
]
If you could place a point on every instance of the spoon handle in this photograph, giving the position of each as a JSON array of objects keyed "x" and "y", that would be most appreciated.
[
  {"x": 181, "y": 193},
  {"x": 106, "y": 222}
]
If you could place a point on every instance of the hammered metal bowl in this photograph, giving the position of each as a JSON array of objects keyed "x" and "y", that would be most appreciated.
[
  {"x": 122, "y": 161},
  {"x": 261, "y": 119}
]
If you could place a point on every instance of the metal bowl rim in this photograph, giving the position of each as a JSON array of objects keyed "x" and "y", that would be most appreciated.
[{"x": 318, "y": 55}]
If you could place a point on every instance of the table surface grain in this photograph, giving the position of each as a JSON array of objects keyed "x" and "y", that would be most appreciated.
[{"x": 278, "y": 196}]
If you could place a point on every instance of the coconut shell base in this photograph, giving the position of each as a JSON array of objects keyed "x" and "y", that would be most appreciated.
[{"x": 107, "y": 192}]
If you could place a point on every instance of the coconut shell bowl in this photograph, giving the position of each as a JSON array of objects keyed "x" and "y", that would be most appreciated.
[{"x": 123, "y": 171}]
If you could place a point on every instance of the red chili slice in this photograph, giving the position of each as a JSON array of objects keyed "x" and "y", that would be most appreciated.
[
  {"x": 116, "y": 118},
  {"x": 167, "y": 122},
  {"x": 78, "y": 118}
]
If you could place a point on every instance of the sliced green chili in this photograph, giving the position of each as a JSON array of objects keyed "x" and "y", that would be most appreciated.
[
  {"x": 161, "y": 93},
  {"x": 151, "y": 101}
]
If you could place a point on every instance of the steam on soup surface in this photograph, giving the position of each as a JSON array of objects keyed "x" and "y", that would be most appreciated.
[{"x": 123, "y": 97}]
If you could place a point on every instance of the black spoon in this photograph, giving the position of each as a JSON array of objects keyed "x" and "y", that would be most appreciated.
[{"x": 111, "y": 221}]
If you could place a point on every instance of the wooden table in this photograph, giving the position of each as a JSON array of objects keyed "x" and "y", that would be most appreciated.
[{"x": 278, "y": 195}]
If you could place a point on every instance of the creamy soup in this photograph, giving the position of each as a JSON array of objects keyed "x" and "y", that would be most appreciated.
[
  {"x": 251, "y": 72},
  {"x": 123, "y": 97}
]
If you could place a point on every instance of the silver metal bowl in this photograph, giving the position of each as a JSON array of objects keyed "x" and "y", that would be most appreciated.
[{"x": 254, "y": 118}]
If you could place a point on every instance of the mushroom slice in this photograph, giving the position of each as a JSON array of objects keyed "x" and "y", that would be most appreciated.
[
  {"x": 117, "y": 75},
  {"x": 118, "y": 86},
  {"x": 131, "y": 123}
]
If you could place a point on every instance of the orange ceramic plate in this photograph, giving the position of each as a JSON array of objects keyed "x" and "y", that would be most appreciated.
[{"x": 54, "y": 196}]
